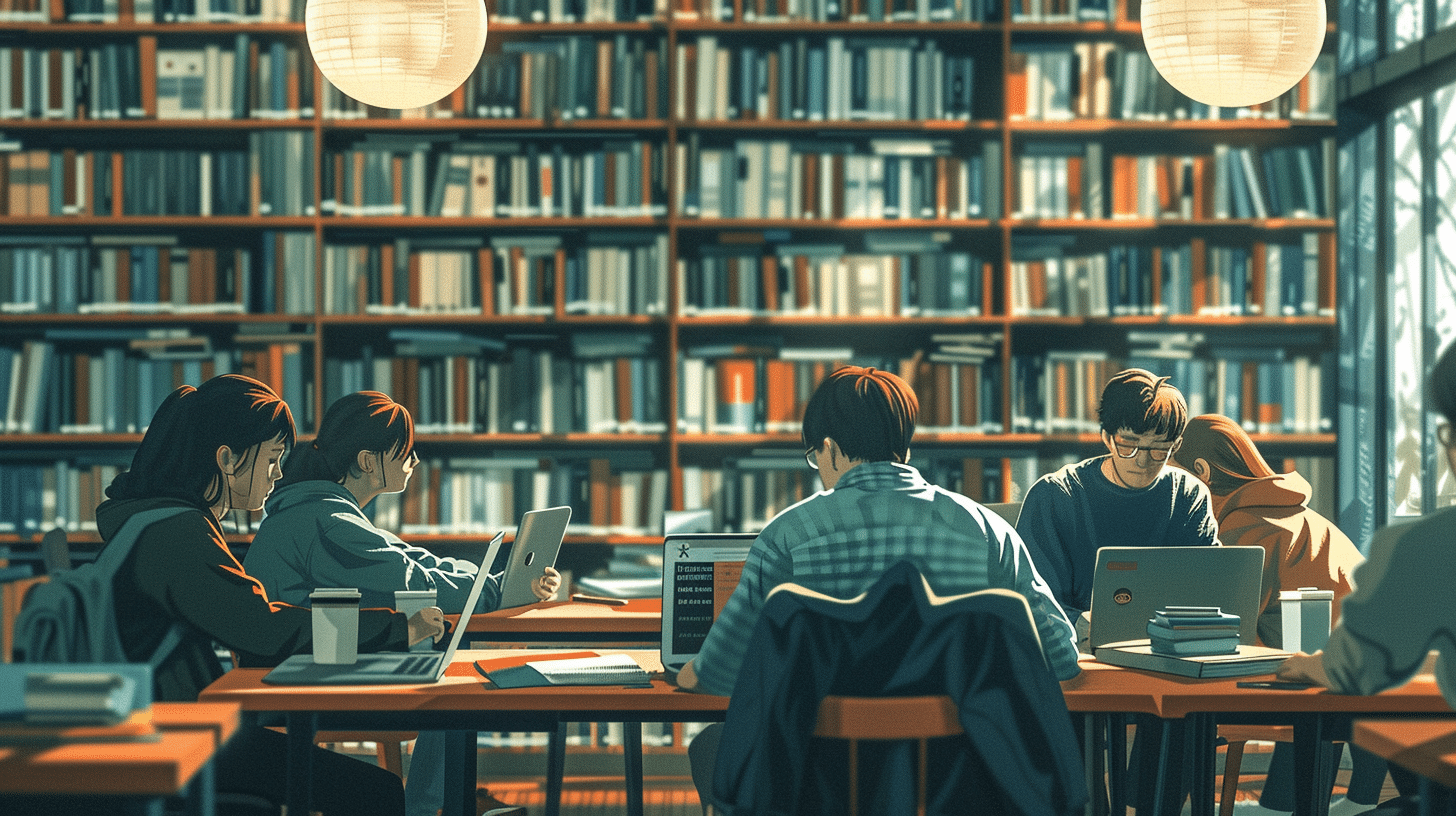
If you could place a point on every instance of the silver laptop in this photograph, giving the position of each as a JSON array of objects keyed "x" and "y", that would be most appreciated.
[
  {"x": 538, "y": 540},
  {"x": 385, "y": 668},
  {"x": 699, "y": 572},
  {"x": 1131, "y": 583}
]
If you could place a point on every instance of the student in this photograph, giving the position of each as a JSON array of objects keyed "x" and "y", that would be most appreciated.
[
  {"x": 209, "y": 450},
  {"x": 1401, "y": 607},
  {"x": 1260, "y": 508},
  {"x": 315, "y": 534},
  {"x": 1126, "y": 497},
  {"x": 875, "y": 509}
]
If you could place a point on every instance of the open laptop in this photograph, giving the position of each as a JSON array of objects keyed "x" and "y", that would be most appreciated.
[
  {"x": 699, "y": 572},
  {"x": 1131, "y": 583},
  {"x": 537, "y": 543},
  {"x": 385, "y": 668}
]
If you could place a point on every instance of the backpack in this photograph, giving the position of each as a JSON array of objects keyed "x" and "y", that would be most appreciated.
[{"x": 72, "y": 617}]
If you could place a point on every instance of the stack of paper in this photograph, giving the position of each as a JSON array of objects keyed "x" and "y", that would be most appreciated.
[{"x": 602, "y": 670}]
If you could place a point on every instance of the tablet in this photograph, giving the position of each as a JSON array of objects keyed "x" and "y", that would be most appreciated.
[{"x": 538, "y": 540}]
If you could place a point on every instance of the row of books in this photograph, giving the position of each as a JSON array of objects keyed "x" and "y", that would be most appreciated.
[
  {"x": 176, "y": 11},
  {"x": 1268, "y": 390},
  {"x": 569, "y": 78},
  {"x": 888, "y": 178},
  {"x": 1106, "y": 80},
  {"x": 1081, "y": 180},
  {"x": 826, "y": 11},
  {"x": 571, "y": 177},
  {"x": 262, "y": 180},
  {"x": 458, "y": 383},
  {"x": 609, "y": 493},
  {"x": 917, "y": 278},
  {"x": 609, "y": 273},
  {"x": 833, "y": 79},
  {"x": 53, "y": 388},
  {"x": 36, "y": 496},
  {"x": 574, "y": 11},
  {"x": 1284, "y": 276}
]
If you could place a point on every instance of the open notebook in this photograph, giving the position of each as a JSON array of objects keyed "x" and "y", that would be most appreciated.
[{"x": 601, "y": 670}]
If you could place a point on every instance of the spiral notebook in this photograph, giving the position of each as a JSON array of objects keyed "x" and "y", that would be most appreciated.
[{"x": 602, "y": 670}]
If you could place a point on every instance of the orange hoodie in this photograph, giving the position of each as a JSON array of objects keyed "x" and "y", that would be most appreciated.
[{"x": 1301, "y": 547}]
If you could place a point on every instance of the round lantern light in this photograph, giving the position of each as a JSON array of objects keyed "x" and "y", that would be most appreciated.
[
  {"x": 1233, "y": 52},
  {"x": 396, "y": 53}
]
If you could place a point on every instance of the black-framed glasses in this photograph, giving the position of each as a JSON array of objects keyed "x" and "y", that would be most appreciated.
[
  {"x": 1156, "y": 454},
  {"x": 809, "y": 457},
  {"x": 1443, "y": 433}
]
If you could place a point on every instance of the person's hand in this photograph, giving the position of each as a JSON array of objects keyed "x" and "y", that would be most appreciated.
[
  {"x": 1304, "y": 668},
  {"x": 426, "y": 623},
  {"x": 545, "y": 587}
]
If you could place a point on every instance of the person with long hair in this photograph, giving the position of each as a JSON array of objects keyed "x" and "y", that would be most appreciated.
[
  {"x": 1256, "y": 507},
  {"x": 315, "y": 534},
  {"x": 209, "y": 450}
]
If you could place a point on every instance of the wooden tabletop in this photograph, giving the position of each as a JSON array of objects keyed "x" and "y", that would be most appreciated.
[
  {"x": 188, "y": 735},
  {"x": 1427, "y": 747},
  {"x": 639, "y": 616}
]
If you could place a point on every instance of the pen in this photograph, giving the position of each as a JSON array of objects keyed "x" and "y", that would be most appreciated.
[{"x": 597, "y": 599}]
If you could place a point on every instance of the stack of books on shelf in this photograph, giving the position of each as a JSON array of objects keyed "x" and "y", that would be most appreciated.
[{"x": 1193, "y": 630}]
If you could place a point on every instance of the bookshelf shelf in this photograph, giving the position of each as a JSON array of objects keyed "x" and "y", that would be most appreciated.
[
  {"x": 166, "y": 223},
  {"x": 151, "y": 125},
  {"x": 1147, "y": 224},
  {"x": 421, "y": 222},
  {"x": 452, "y": 125},
  {"x": 945, "y": 126},
  {"x": 946, "y": 27},
  {"x": 1060, "y": 128}
]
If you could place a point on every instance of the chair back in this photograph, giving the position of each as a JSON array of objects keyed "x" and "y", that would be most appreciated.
[
  {"x": 888, "y": 718},
  {"x": 55, "y": 552}
]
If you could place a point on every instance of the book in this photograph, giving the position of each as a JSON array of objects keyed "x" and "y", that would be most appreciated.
[
  {"x": 1179, "y": 632},
  {"x": 1176, "y": 616},
  {"x": 99, "y": 698},
  {"x": 602, "y": 670},
  {"x": 136, "y": 727},
  {"x": 1138, "y": 654},
  {"x": 1197, "y": 646}
]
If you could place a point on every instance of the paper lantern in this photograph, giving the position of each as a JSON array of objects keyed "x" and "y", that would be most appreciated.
[
  {"x": 1233, "y": 52},
  {"x": 396, "y": 53}
]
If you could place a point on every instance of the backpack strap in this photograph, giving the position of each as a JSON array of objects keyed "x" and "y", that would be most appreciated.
[
  {"x": 120, "y": 547},
  {"x": 165, "y": 648}
]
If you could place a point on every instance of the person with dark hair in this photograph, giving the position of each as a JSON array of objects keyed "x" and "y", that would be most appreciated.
[
  {"x": 315, "y": 534},
  {"x": 209, "y": 450},
  {"x": 875, "y": 510},
  {"x": 1401, "y": 607},
  {"x": 1127, "y": 496},
  {"x": 1302, "y": 549}
]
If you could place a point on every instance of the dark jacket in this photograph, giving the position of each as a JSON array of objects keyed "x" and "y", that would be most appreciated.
[
  {"x": 1019, "y": 754},
  {"x": 182, "y": 570}
]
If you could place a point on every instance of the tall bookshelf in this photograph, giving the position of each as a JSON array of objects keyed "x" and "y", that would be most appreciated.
[{"x": 608, "y": 270}]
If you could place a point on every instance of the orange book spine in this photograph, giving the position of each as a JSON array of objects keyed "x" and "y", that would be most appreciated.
[
  {"x": 147, "y": 48},
  {"x": 624, "y": 391},
  {"x": 599, "y": 477},
  {"x": 769, "y": 266},
  {"x": 485, "y": 266},
  {"x": 1016, "y": 85},
  {"x": 386, "y": 274}
]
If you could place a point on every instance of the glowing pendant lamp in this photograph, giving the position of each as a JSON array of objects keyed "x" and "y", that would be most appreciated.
[
  {"x": 1233, "y": 52},
  {"x": 396, "y": 53}
]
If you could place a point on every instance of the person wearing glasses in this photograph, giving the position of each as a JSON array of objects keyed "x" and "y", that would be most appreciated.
[
  {"x": 315, "y": 533},
  {"x": 875, "y": 510},
  {"x": 1128, "y": 496}
]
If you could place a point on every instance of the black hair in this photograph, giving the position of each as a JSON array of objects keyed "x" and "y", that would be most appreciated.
[
  {"x": 362, "y": 421},
  {"x": 177, "y": 457},
  {"x": 1143, "y": 403},
  {"x": 870, "y": 413},
  {"x": 1441, "y": 383}
]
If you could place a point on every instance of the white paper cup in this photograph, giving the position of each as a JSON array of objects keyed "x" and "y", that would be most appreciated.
[
  {"x": 1305, "y": 617},
  {"x": 410, "y": 601},
  {"x": 335, "y": 625}
]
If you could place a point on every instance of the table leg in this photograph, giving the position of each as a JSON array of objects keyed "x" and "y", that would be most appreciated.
[
  {"x": 1312, "y": 756},
  {"x": 1202, "y": 754},
  {"x": 201, "y": 799},
  {"x": 555, "y": 768},
  {"x": 302, "y": 727},
  {"x": 632, "y": 757},
  {"x": 1092, "y": 764},
  {"x": 459, "y": 773},
  {"x": 1160, "y": 782},
  {"x": 1117, "y": 764}
]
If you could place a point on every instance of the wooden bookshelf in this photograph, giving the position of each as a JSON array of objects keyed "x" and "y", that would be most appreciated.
[{"x": 986, "y": 231}]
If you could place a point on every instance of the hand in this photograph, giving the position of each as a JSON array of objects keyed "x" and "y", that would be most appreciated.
[
  {"x": 1304, "y": 668},
  {"x": 426, "y": 623},
  {"x": 545, "y": 587}
]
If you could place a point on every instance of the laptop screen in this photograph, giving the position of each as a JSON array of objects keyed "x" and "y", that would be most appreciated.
[{"x": 699, "y": 573}]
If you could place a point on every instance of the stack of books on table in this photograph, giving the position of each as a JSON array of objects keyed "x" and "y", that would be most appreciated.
[{"x": 1193, "y": 630}]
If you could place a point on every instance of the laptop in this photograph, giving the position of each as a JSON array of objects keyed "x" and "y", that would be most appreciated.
[
  {"x": 538, "y": 540},
  {"x": 1131, "y": 583},
  {"x": 387, "y": 668},
  {"x": 699, "y": 572}
]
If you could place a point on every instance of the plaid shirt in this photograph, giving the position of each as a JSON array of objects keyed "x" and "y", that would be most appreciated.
[{"x": 839, "y": 541}]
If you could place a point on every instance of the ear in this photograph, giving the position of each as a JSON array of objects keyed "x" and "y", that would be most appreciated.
[
  {"x": 1201, "y": 469},
  {"x": 226, "y": 460},
  {"x": 364, "y": 461}
]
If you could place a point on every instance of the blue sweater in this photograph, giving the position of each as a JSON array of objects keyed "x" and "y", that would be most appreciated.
[
  {"x": 315, "y": 535},
  {"x": 1068, "y": 514}
]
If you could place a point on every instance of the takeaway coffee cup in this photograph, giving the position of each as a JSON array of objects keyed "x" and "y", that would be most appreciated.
[
  {"x": 410, "y": 601},
  {"x": 335, "y": 625},
  {"x": 1305, "y": 614}
]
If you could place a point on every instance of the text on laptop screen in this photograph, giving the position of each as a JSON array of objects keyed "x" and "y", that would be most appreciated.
[{"x": 701, "y": 573}]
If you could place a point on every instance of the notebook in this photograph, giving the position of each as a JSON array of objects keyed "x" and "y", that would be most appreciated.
[
  {"x": 1131, "y": 583},
  {"x": 699, "y": 572},
  {"x": 386, "y": 668},
  {"x": 538, "y": 540},
  {"x": 601, "y": 670}
]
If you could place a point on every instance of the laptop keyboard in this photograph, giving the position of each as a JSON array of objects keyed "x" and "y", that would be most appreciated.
[{"x": 413, "y": 665}]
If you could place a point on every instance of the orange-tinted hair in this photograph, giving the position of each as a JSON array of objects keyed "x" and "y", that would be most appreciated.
[
  {"x": 1233, "y": 461},
  {"x": 870, "y": 413}
]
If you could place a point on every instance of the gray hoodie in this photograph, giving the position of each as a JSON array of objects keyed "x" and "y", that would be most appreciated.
[{"x": 314, "y": 535}]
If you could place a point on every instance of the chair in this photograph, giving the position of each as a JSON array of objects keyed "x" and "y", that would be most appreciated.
[
  {"x": 15, "y": 581},
  {"x": 388, "y": 745},
  {"x": 1007, "y": 510},
  {"x": 888, "y": 718}
]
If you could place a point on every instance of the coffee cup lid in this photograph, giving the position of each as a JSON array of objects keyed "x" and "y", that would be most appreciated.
[
  {"x": 1307, "y": 594},
  {"x": 335, "y": 592}
]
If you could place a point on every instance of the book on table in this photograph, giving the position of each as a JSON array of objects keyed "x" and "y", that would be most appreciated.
[
  {"x": 1201, "y": 646},
  {"x": 136, "y": 727},
  {"x": 600, "y": 670},
  {"x": 1157, "y": 630},
  {"x": 1139, "y": 654}
]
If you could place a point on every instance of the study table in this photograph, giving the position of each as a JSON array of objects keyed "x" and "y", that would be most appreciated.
[
  {"x": 1425, "y": 747},
  {"x": 132, "y": 776},
  {"x": 636, "y": 623}
]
